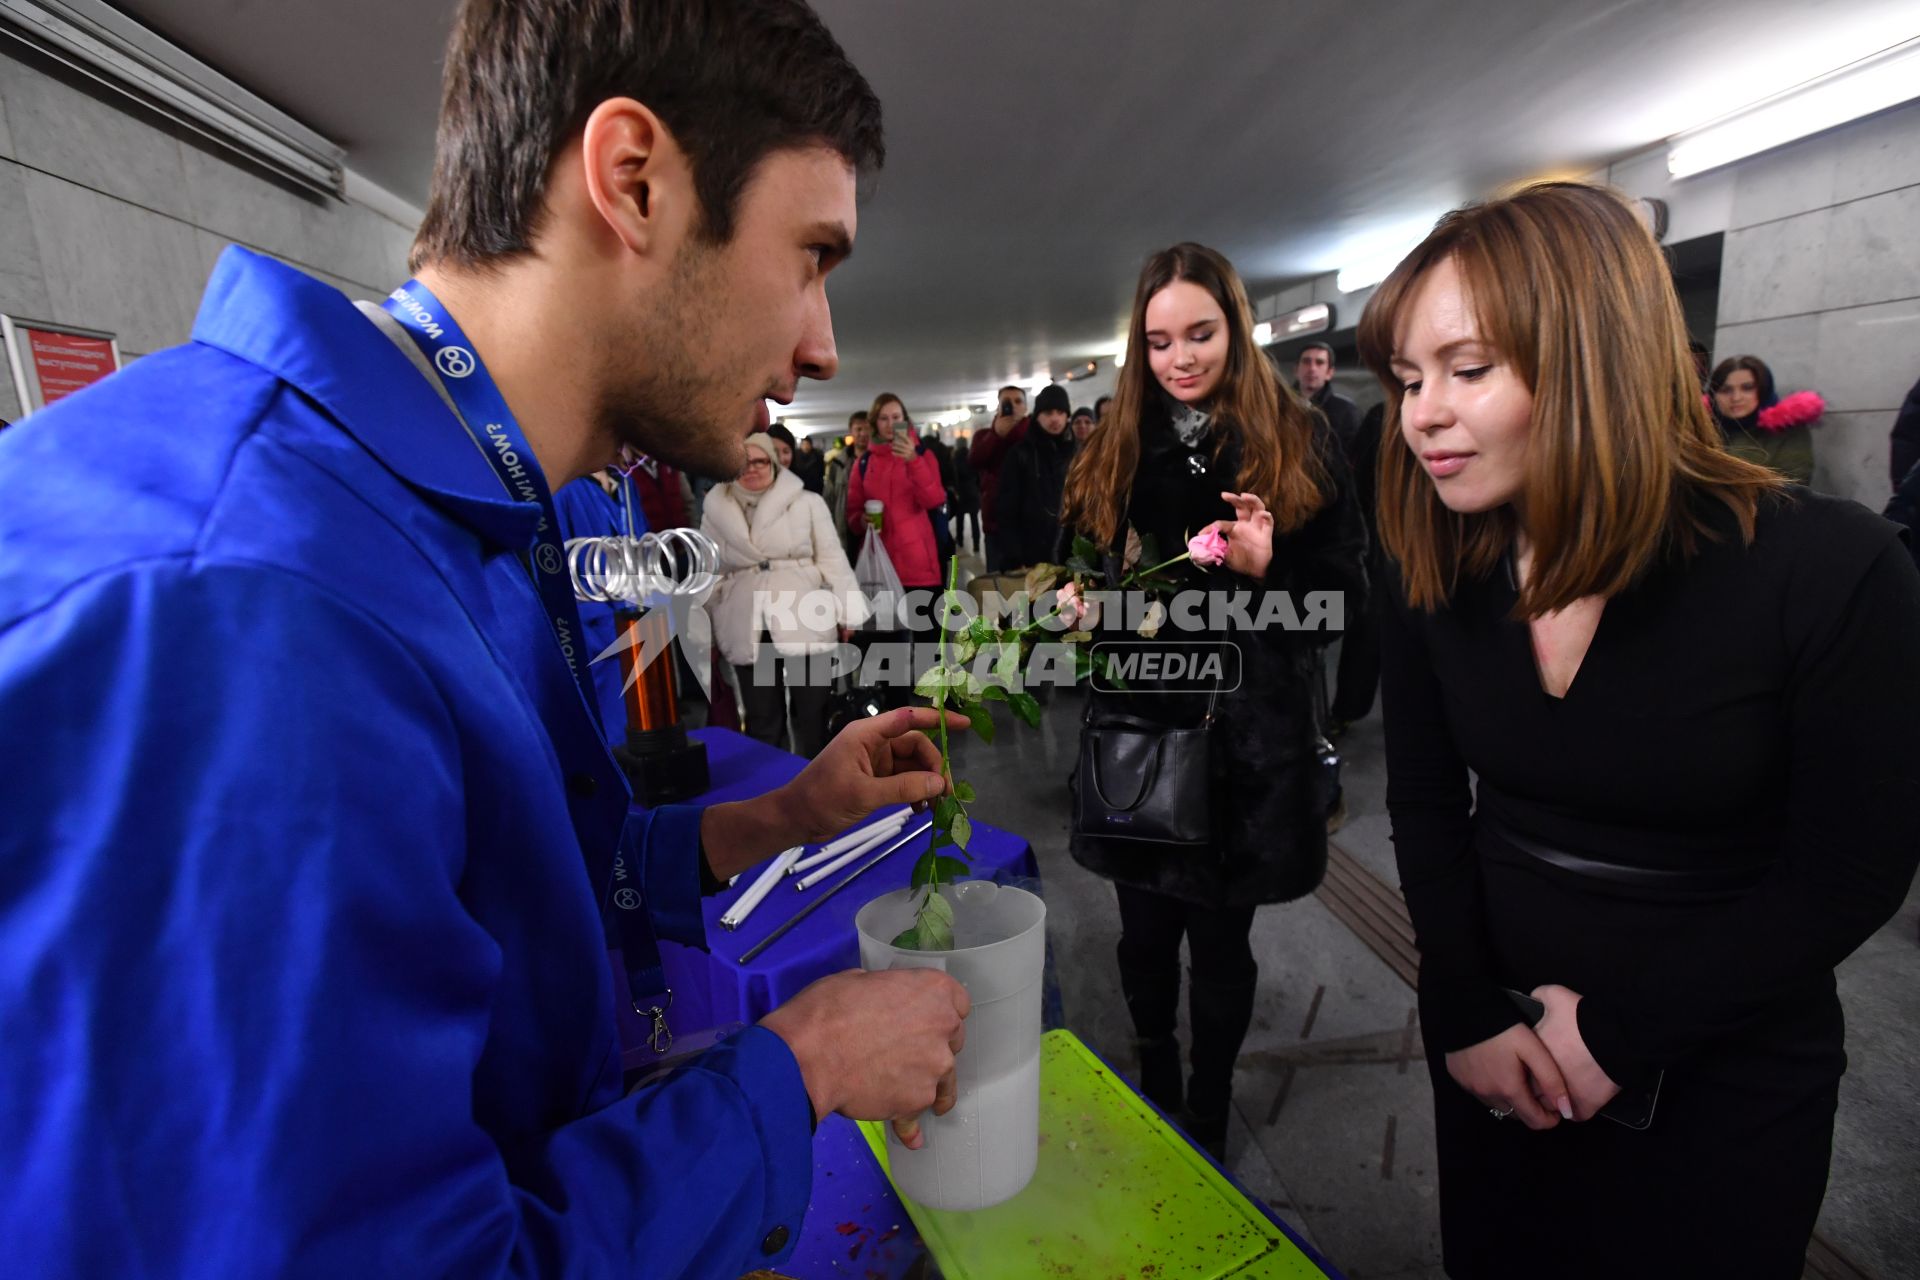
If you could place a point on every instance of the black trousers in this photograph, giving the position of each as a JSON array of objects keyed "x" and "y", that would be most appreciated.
[
  {"x": 961, "y": 519},
  {"x": 1152, "y": 924},
  {"x": 1358, "y": 677},
  {"x": 1219, "y": 998},
  {"x": 768, "y": 685}
]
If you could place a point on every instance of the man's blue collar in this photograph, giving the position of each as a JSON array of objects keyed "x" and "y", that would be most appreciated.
[{"x": 310, "y": 336}]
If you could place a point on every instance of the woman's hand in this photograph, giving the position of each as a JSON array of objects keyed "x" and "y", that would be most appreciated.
[
  {"x": 1249, "y": 534},
  {"x": 1514, "y": 1073},
  {"x": 1589, "y": 1087},
  {"x": 902, "y": 444}
]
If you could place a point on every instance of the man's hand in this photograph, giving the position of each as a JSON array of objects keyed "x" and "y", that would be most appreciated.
[
  {"x": 1513, "y": 1072},
  {"x": 1005, "y": 423},
  {"x": 877, "y": 1046},
  {"x": 1589, "y": 1087},
  {"x": 1249, "y": 535},
  {"x": 872, "y": 763},
  {"x": 881, "y": 760}
]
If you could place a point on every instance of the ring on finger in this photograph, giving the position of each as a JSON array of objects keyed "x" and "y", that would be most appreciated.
[{"x": 1499, "y": 1113}]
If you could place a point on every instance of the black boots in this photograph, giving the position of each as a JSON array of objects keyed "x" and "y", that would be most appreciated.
[
  {"x": 1220, "y": 1012},
  {"x": 1153, "y": 998}
]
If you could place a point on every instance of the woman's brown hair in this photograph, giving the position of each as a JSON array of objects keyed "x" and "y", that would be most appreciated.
[
  {"x": 1568, "y": 284},
  {"x": 880, "y": 401},
  {"x": 1272, "y": 425}
]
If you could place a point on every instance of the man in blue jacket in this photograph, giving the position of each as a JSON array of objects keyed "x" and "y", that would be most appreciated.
[{"x": 308, "y": 825}]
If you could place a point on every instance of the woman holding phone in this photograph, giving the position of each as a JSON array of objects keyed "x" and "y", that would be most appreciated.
[
  {"x": 901, "y": 473},
  {"x": 1687, "y": 694}
]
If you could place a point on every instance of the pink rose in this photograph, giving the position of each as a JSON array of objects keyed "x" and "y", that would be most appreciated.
[
  {"x": 1074, "y": 608},
  {"x": 1208, "y": 547}
]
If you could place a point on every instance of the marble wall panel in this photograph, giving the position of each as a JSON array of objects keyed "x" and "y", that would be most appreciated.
[
  {"x": 1873, "y": 250},
  {"x": 96, "y": 142},
  {"x": 6, "y": 134},
  {"x": 232, "y": 200},
  {"x": 399, "y": 242},
  {"x": 23, "y": 287},
  {"x": 1869, "y": 357},
  {"x": 9, "y": 402},
  {"x": 1850, "y": 456},
  {"x": 1796, "y": 178},
  {"x": 1791, "y": 347},
  {"x": 350, "y": 240},
  {"x": 1774, "y": 269},
  {"x": 111, "y": 265},
  {"x": 1878, "y": 154}
]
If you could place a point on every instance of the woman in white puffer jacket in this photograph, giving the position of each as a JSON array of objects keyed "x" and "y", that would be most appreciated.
[{"x": 785, "y": 590}]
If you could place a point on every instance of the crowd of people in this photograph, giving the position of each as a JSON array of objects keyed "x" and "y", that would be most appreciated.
[{"x": 310, "y": 744}]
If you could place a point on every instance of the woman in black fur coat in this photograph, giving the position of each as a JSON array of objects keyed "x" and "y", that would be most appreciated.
[{"x": 1203, "y": 435}]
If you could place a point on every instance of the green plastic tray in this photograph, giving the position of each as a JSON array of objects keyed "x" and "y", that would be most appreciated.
[{"x": 1117, "y": 1196}]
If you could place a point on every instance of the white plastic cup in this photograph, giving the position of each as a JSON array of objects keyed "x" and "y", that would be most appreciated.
[{"x": 983, "y": 1151}]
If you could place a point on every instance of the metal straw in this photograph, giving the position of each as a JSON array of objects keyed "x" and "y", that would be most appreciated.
[{"x": 853, "y": 875}]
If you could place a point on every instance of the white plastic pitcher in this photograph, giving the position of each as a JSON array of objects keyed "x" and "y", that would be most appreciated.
[{"x": 985, "y": 1149}]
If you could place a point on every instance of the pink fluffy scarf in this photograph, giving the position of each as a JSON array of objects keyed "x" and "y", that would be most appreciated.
[{"x": 1796, "y": 410}]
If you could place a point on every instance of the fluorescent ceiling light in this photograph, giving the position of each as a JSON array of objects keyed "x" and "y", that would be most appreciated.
[
  {"x": 1369, "y": 272},
  {"x": 1262, "y": 334},
  {"x": 1886, "y": 79},
  {"x": 1309, "y": 319},
  {"x": 111, "y": 48}
]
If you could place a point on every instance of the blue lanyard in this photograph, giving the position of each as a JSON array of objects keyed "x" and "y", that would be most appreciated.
[
  {"x": 484, "y": 413},
  {"x": 491, "y": 424}
]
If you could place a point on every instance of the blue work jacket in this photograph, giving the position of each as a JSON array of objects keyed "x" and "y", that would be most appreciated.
[{"x": 302, "y": 968}]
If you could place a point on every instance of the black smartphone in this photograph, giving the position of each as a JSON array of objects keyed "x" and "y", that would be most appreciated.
[
  {"x": 1630, "y": 1107},
  {"x": 1006, "y": 408}
]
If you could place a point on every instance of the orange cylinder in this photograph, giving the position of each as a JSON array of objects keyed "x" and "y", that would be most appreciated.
[{"x": 652, "y": 700}]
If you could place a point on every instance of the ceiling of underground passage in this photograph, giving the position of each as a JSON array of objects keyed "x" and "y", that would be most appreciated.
[{"x": 1037, "y": 152}]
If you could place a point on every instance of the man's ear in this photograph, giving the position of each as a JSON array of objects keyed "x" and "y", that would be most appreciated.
[{"x": 635, "y": 175}]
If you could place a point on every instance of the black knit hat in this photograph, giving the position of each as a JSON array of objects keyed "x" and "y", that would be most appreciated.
[{"x": 1052, "y": 396}]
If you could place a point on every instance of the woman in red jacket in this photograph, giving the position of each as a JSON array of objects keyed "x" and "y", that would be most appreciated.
[{"x": 898, "y": 470}]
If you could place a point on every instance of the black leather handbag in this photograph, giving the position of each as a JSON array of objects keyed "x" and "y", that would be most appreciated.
[{"x": 1142, "y": 780}]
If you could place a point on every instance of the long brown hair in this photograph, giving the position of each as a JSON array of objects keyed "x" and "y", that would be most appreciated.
[
  {"x": 1568, "y": 284},
  {"x": 1272, "y": 425},
  {"x": 880, "y": 402}
]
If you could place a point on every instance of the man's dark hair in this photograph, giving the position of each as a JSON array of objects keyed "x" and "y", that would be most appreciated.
[
  {"x": 735, "y": 80},
  {"x": 858, "y": 415},
  {"x": 1317, "y": 346},
  {"x": 1100, "y": 404},
  {"x": 1019, "y": 391}
]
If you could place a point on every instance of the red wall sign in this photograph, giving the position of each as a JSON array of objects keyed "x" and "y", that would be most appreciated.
[{"x": 67, "y": 362}]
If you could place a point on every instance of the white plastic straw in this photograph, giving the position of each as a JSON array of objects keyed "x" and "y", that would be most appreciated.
[
  {"x": 737, "y": 914},
  {"x": 881, "y": 833},
  {"x": 813, "y": 878},
  {"x": 856, "y": 837}
]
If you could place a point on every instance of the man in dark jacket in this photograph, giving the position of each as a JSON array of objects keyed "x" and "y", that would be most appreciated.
[
  {"x": 966, "y": 499},
  {"x": 1313, "y": 375},
  {"x": 988, "y": 451},
  {"x": 1906, "y": 436},
  {"x": 809, "y": 465},
  {"x": 1358, "y": 678},
  {"x": 1031, "y": 481}
]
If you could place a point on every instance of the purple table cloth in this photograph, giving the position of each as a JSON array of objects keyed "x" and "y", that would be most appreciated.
[{"x": 713, "y": 989}]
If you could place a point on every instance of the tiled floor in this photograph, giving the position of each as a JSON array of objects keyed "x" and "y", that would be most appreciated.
[{"x": 1347, "y": 1154}]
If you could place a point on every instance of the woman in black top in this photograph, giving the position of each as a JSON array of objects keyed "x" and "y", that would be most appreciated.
[
  {"x": 1685, "y": 691},
  {"x": 1202, "y": 432}
]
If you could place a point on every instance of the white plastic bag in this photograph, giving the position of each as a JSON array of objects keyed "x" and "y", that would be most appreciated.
[{"x": 877, "y": 578}]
